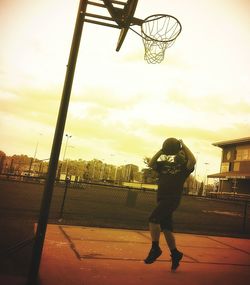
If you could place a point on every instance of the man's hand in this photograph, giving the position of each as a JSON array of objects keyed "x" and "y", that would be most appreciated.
[
  {"x": 190, "y": 157},
  {"x": 153, "y": 160},
  {"x": 146, "y": 160}
]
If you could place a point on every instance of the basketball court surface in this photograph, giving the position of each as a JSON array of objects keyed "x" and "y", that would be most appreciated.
[{"x": 75, "y": 255}]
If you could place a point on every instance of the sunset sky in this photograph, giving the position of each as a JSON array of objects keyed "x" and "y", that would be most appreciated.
[{"x": 122, "y": 108}]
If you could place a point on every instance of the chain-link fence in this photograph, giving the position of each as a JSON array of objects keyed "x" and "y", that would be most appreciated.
[{"x": 121, "y": 207}]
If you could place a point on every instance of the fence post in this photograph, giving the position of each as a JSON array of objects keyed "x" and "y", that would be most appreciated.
[
  {"x": 244, "y": 227},
  {"x": 67, "y": 182},
  {"x": 131, "y": 198}
]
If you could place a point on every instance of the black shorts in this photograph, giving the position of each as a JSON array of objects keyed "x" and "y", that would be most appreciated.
[{"x": 163, "y": 214}]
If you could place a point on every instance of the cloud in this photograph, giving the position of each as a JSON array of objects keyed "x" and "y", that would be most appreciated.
[
  {"x": 119, "y": 103},
  {"x": 34, "y": 105}
]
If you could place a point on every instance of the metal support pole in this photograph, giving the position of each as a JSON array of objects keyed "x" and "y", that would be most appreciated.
[
  {"x": 244, "y": 227},
  {"x": 56, "y": 147},
  {"x": 67, "y": 182}
]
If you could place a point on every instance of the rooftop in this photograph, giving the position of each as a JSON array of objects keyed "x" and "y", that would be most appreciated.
[{"x": 232, "y": 142}]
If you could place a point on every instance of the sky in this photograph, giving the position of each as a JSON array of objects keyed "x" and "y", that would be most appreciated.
[{"x": 122, "y": 108}]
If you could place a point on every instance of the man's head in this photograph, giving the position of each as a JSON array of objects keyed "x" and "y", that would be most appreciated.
[{"x": 171, "y": 146}]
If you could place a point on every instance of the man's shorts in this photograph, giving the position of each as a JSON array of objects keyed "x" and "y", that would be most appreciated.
[{"x": 163, "y": 213}]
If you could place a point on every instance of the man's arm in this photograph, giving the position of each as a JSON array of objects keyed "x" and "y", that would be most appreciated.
[
  {"x": 190, "y": 157},
  {"x": 153, "y": 160}
]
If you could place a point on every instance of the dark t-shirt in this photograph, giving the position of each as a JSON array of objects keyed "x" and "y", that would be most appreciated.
[{"x": 171, "y": 178}]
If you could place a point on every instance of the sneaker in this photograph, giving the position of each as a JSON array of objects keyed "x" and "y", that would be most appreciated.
[
  {"x": 154, "y": 253},
  {"x": 176, "y": 258}
]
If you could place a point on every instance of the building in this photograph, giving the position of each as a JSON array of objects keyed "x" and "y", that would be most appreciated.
[{"x": 234, "y": 175}]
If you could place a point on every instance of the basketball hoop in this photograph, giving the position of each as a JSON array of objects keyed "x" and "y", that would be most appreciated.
[{"x": 158, "y": 33}]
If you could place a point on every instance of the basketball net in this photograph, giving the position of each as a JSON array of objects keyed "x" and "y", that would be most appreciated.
[{"x": 159, "y": 33}]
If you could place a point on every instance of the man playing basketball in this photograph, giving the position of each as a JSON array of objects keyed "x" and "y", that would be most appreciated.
[{"x": 172, "y": 172}]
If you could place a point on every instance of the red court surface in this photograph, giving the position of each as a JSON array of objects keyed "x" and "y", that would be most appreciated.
[{"x": 75, "y": 255}]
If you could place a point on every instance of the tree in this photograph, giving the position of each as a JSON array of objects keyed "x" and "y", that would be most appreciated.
[
  {"x": 149, "y": 175},
  {"x": 20, "y": 162},
  {"x": 2, "y": 159}
]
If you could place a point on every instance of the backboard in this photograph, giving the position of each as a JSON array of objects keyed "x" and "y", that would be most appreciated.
[
  {"x": 129, "y": 12},
  {"x": 123, "y": 17}
]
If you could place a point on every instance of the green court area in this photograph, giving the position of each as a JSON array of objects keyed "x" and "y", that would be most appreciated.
[{"x": 118, "y": 207}]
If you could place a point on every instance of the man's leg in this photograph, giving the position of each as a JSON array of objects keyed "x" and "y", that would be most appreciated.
[
  {"x": 170, "y": 239},
  {"x": 176, "y": 255},
  {"x": 155, "y": 251},
  {"x": 155, "y": 231}
]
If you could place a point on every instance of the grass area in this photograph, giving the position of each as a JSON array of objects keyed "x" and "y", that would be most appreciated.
[{"x": 98, "y": 205}]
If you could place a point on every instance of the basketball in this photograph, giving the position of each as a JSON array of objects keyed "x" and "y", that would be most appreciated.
[{"x": 171, "y": 146}]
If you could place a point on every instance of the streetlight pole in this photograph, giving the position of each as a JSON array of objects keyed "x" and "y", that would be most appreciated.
[
  {"x": 67, "y": 163},
  {"x": 35, "y": 153},
  {"x": 66, "y": 145},
  {"x": 64, "y": 154},
  {"x": 205, "y": 178},
  {"x": 195, "y": 173}
]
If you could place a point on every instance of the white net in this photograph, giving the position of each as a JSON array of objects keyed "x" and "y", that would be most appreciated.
[{"x": 159, "y": 33}]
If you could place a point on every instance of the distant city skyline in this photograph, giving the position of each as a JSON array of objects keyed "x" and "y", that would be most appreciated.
[{"x": 121, "y": 108}]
